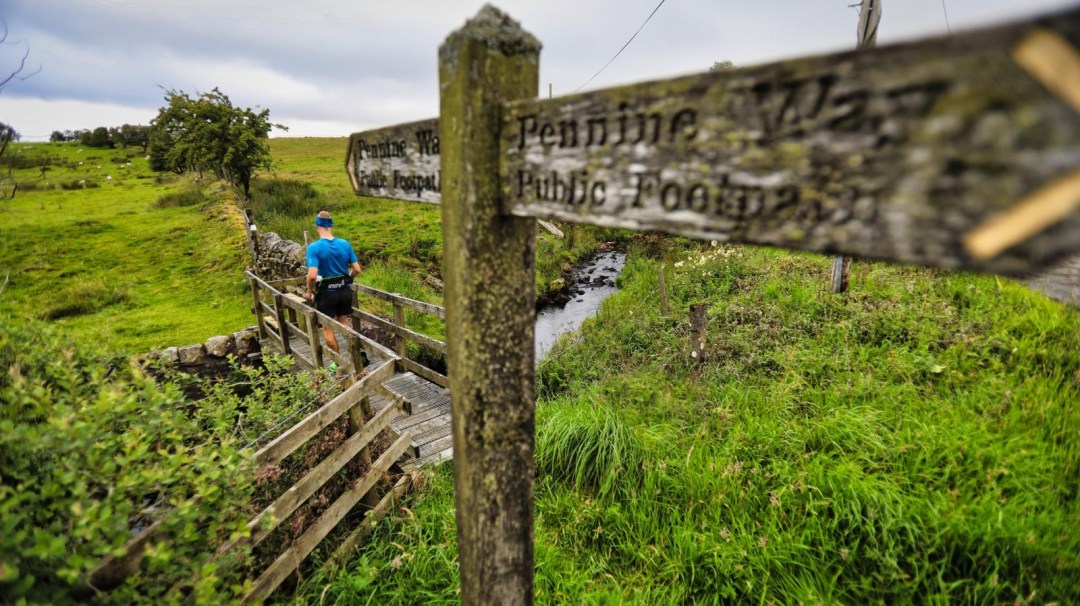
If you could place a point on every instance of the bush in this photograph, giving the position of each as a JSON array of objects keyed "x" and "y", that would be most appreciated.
[
  {"x": 285, "y": 206},
  {"x": 93, "y": 452}
]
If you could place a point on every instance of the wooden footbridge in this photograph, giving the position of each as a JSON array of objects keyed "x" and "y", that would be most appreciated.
[{"x": 289, "y": 325}]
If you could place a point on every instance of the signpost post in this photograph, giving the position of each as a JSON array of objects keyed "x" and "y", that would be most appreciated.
[
  {"x": 489, "y": 263},
  {"x": 960, "y": 152}
]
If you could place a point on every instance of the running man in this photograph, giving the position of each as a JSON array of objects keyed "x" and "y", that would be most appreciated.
[{"x": 332, "y": 265}]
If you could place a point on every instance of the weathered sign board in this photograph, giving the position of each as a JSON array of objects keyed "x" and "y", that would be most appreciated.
[
  {"x": 400, "y": 162},
  {"x": 921, "y": 153}
]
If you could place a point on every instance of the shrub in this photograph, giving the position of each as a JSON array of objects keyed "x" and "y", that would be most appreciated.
[
  {"x": 285, "y": 206},
  {"x": 93, "y": 452},
  {"x": 589, "y": 447}
]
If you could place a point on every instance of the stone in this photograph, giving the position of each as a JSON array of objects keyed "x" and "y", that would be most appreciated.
[
  {"x": 192, "y": 355},
  {"x": 246, "y": 341},
  {"x": 219, "y": 346},
  {"x": 169, "y": 356}
]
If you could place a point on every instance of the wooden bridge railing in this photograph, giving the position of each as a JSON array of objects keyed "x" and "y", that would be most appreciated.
[
  {"x": 364, "y": 427},
  {"x": 283, "y": 315},
  {"x": 402, "y": 334},
  {"x": 289, "y": 315}
]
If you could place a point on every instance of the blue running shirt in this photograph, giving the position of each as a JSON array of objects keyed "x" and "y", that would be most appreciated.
[{"x": 332, "y": 257}]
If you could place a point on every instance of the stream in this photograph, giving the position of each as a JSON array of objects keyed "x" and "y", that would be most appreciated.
[{"x": 593, "y": 282}]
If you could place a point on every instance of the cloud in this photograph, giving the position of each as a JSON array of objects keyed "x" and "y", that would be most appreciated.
[{"x": 327, "y": 63}]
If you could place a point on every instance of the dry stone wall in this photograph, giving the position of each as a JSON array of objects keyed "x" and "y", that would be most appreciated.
[
  {"x": 212, "y": 356},
  {"x": 278, "y": 258}
]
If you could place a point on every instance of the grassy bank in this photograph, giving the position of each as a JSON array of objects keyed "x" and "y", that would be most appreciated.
[
  {"x": 115, "y": 253},
  {"x": 912, "y": 441}
]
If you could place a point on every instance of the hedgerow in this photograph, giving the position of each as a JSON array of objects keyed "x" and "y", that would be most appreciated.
[{"x": 94, "y": 452}]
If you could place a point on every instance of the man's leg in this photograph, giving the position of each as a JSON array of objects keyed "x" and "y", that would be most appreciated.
[
  {"x": 331, "y": 340},
  {"x": 326, "y": 303}
]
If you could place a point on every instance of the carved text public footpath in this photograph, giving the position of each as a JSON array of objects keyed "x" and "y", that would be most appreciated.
[
  {"x": 399, "y": 162},
  {"x": 896, "y": 153}
]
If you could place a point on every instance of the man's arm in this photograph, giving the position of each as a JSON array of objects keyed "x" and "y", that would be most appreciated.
[
  {"x": 355, "y": 269},
  {"x": 312, "y": 275}
]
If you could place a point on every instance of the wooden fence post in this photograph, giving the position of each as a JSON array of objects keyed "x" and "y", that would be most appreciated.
[
  {"x": 489, "y": 264},
  {"x": 357, "y": 354},
  {"x": 869, "y": 17},
  {"x": 359, "y": 415},
  {"x": 253, "y": 238},
  {"x": 698, "y": 324},
  {"x": 664, "y": 309},
  {"x": 258, "y": 309},
  {"x": 283, "y": 324},
  {"x": 400, "y": 347},
  {"x": 313, "y": 338}
]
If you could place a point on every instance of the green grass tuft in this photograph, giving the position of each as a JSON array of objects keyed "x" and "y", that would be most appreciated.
[
  {"x": 191, "y": 196},
  {"x": 84, "y": 296}
]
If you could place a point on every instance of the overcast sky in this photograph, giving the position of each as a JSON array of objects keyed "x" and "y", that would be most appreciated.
[{"x": 333, "y": 67}]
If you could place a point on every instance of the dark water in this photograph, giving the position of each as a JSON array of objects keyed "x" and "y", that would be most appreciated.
[{"x": 593, "y": 282}]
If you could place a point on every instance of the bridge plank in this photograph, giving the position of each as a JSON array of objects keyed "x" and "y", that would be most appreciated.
[{"x": 436, "y": 457}]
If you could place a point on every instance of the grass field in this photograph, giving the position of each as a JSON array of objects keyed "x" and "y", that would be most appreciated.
[
  {"x": 118, "y": 254},
  {"x": 86, "y": 245},
  {"x": 912, "y": 441}
]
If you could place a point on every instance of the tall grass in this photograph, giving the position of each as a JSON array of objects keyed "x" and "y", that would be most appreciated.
[{"x": 286, "y": 207}]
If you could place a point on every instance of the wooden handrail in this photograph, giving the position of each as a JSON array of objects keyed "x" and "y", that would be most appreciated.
[
  {"x": 421, "y": 306},
  {"x": 424, "y": 340}
]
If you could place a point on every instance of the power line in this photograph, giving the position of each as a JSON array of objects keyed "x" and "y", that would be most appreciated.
[
  {"x": 944, "y": 10},
  {"x": 623, "y": 46}
]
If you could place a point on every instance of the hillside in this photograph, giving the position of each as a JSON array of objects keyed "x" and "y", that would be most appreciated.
[
  {"x": 914, "y": 440},
  {"x": 114, "y": 253}
]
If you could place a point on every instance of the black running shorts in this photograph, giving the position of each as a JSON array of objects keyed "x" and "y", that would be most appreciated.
[{"x": 334, "y": 303}]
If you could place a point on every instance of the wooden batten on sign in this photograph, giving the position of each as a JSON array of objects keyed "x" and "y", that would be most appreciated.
[{"x": 893, "y": 152}]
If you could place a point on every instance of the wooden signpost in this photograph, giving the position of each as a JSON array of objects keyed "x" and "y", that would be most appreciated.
[{"x": 960, "y": 152}]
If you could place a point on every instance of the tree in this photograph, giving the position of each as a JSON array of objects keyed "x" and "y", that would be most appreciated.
[
  {"x": 99, "y": 137},
  {"x": 14, "y": 134},
  {"x": 57, "y": 137},
  {"x": 209, "y": 134},
  {"x": 722, "y": 66},
  {"x": 7, "y": 133},
  {"x": 133, "y": 135}
]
